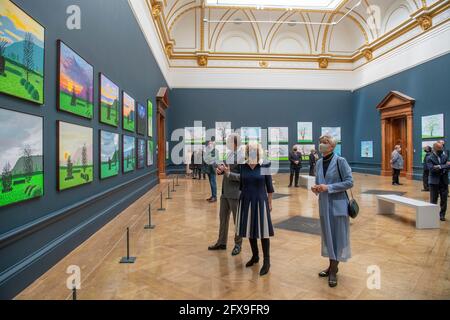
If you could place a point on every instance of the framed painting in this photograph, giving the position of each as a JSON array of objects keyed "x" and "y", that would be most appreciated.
[
  {"x": 278, "y": 152},
  {"x": 305, "y": 150},
  {"x": 278, "y": 135},
  {"x": 21, "y": 160},
  {"x": 21, "y": 54},
  {"x": 150, "y": 153},
  {"x": 109, "y": 154},
  {"x": 223, "y": 130},
  {"x": 335, "y": 132},
  {"x": 75, "y": 149},
  {"x": 109, "y": 101},
  {"x": 128, "y": 112},
  {"x": 75, "y": 83},
  {"x": 140, "y": 153},
  {"x": 433, "y": 126},
  {"x": 366, "y": 149},
  {"x": 304, "y": 132},
  {"x": 428, "y": 143},
  {"x": 150, "y": 118},
  {"x": 338, "y": 149},
  {"x": 141, "y": 120},
  {"x": 250, "y": 134},
  {"x": 128, "y": 153}
]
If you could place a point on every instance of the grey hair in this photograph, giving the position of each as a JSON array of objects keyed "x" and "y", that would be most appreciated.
[{"x": 331, "y": 140}]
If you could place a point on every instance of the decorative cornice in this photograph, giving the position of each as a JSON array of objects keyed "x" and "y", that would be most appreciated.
[
  {"x": 323, "y": 63},
  {"x": 202, "y": 60},
  {"x": 425, "y": 21},
  {"x": 156, "y": 9}
]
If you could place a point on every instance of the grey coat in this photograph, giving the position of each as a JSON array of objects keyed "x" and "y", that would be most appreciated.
[
  {"x": 396, "y": 160},
  {"x": 231, "y": 183}
]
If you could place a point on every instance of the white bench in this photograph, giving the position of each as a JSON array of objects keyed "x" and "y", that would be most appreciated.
[
  {"x": 427, "y": 214},
  {"x": 307, "y": 181}
]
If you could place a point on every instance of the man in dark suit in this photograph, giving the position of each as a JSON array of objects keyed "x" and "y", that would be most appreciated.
[
  {"x": 295, "y": 159},
  {"x": 438, "y": 164}
]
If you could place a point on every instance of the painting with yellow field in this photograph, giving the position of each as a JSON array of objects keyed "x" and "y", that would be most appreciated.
[{"x": 21, "y": 54}]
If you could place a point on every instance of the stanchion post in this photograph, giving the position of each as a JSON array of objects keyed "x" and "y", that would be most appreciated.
[
  {"x": 150, "y": 225},
  {"x": 168, "y": 191},
  {"x": 74, "y": 293},
  {"x": 173, "y": 185},
  {"x": 177, "y": 181},
  {"x": 128, "y": 259},
  {"x": 161, "y": 200}
]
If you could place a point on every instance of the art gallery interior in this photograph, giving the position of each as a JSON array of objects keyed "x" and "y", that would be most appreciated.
[{"x": 102, "y": 103}]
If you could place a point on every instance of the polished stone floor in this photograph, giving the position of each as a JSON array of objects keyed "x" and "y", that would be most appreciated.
[{"x": 173, "y": 261}]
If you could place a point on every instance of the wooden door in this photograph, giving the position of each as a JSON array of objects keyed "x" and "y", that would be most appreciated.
[{"x": 399, "y": 137}]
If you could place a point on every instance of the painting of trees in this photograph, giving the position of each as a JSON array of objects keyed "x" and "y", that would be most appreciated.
[
  {"x": 84, "y": 159},
  {"x": 3, "y": 44},
  {"x": 28, "y": 52},
  {"x": 433, "y": 126},
  {"x": 28, "y": 167},
  {"x": 6, "y": 178},
  {"x": 69, "y": 174}
]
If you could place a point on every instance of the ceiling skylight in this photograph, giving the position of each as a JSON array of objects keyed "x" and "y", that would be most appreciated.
[{"x": 324, "y": 5}]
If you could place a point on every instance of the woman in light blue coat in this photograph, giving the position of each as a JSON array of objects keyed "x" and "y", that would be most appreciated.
[{"x": 333, "y": 178}]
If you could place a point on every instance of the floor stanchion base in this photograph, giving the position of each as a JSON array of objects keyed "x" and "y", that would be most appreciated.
[
  {"x": 148, "y": 226},
  {"x": 128, "y": 260},
  {"x": 161, "y": 209}
]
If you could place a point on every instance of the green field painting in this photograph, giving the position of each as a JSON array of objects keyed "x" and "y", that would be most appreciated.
[
  {"x": 80, "y": 175},
  {"x": 109, "y": 102}
]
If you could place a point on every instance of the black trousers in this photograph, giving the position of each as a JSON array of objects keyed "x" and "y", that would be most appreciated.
[
  {"x": 395, "y": 176},
  {"x": 425, "y": 175},
  {"x": 312, "y": 170},
  {"x": 294, "y": 171},
  {"x": 439, "y": 190}
]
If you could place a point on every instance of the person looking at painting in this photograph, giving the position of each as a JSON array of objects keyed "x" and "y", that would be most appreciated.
[
  {"x": 210, "y": 168},
  {"x": 438, "y": 165},
  {"x": 229, "y": 199},
  {"x": 253, "y": 220},
  {"x": 333, "y": 179},
  {"x": 295, "y": 159},
  {"x": 426, "y": 172},
  {"x": 397, "y": 165},
  {"x": 312, "y": 163}
]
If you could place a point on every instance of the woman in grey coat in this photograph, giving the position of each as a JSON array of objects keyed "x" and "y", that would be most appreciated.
[
  {"x": 397, "y": 165},
  {"x": 333, "y": 178}
]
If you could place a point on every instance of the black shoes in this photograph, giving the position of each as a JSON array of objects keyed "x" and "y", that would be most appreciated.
[
  {"x": 212, "y": 200},
  {"x": 252, "y": 261},
  {"x": 443, "y": 219},
  {"x": 326, "y": 273},
  {"x": 236, "y": 250},
  {"x": 265, "y": 268},
  {"x": 217, "y": 247},
  {"x": 332, "y": 280}
]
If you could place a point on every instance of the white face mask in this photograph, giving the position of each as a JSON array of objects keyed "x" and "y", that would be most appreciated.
[{"x": 324, "y": 148}]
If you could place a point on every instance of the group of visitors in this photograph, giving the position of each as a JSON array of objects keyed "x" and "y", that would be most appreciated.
[
  {"x": 202, "y": 165},
  {"x": 295, "y": 160},
  {"x": 436, "y": 165}
]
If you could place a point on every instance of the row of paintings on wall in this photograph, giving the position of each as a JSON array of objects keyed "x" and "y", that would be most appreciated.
[
  {"x": 22, "y": 75},
  {"x": 21, "y": 155}
]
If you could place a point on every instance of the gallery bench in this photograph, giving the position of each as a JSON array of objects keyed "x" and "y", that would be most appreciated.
[
  {"x": 427, "y": 214},
  {"x": 307, "y": 181}
]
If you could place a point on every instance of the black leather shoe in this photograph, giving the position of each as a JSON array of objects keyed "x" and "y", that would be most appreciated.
[
  {"x": 265, "y": 269},
  {"x": 443, "y": 219},
  {"x": 217, "y": 247},
  {"x": 252, "y": 261},
  {"x": 332, "y": 281},
  {"x": 236, "y": 250},
  {"x": 326, "y": 273}
]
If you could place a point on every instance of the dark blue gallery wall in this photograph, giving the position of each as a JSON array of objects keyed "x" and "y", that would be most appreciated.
[
  {"x": 35, "y": 234},
  {"x": 265, "y": 108},
  {"x": 427, "y": 83}
]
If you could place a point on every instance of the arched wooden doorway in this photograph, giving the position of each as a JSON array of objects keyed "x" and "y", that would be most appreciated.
[
  {"x": 162, "y": 103},
  {"x": 396, "y": 111}
]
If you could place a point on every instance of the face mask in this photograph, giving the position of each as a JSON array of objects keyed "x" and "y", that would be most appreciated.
[{"x": 324, "y": 148}]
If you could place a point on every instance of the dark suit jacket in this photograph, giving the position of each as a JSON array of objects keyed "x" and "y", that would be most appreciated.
[
  {"x": 295, "y": 156},
  {"x": 438, "y": 176}
]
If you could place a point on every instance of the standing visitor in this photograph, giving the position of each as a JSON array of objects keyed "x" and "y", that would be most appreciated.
[{"x": 397, "y": 165}]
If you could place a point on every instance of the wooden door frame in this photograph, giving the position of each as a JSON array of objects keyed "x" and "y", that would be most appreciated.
[
  {"x": 162, "y": 103},
  {"x": 396, "y": 105}
]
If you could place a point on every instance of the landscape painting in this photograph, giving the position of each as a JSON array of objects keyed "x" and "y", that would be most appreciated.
[
  {"x": 223, "y": 130},
  {"x": 128, "y": 112},
  {"x": 433, "y": 126},
  {"x": 304, "y": 132},
  {"x": 251, "y": 134},
  {"x": 428, "y": 143},
  {"x": 141, "y": 147},
  {"x": 338, "y": 150},
  {"x": 305, "y": 150},
  {"x": 21, "y": 164},
  {"x": 109, "y": 102},
  {"x": 21, "y": 54},
  {"x": 75, "y": 155},
  {"x": 278, "y": 152},
  {"x": 141, "y": 119},
  {"x": 128, "y": 154},
  {"x": 109, "y": 154},
  {"x": 149, "y": 153},
  {"x": 335, "y": 132},
  {"x": 75, "y": 82},
  {"x": 150, "y": 118},
  {"x": 366, "y": 149},
  {"x": 278, "y": 135}
]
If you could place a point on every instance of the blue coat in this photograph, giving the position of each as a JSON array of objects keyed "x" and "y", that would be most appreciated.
[
  {"x": 333, "y": 209},
  {"x": 438, "y": 176}
]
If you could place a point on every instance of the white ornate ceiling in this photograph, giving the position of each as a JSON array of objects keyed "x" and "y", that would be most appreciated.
[{"x": 195, "y": 35}]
